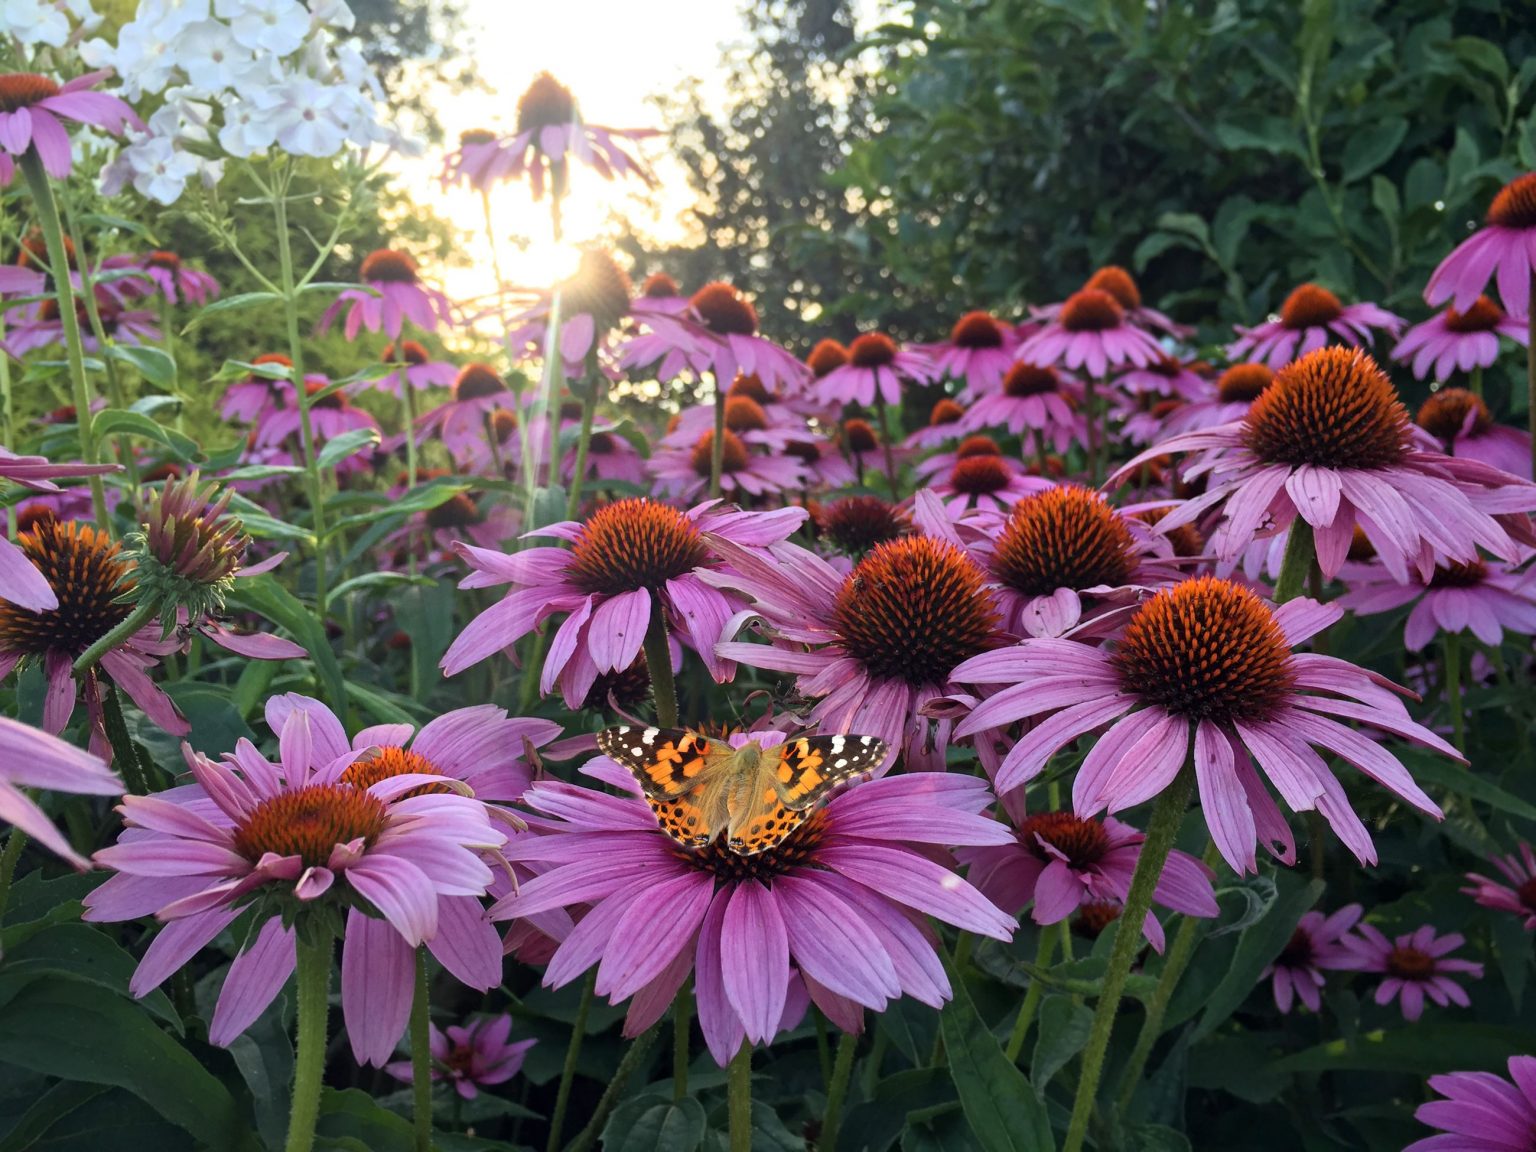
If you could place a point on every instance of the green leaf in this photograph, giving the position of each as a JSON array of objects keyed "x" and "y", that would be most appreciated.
[
  {"x": 1461, "y": 780},
  {"x": 347, "y": 444},
  {"x": 232, "y": 304},
  {"x": 82, "y": 1032},
  {"x": 1372, "y": 146},
  {"x": 371, "y": 580},
  {"x": 114, "y": 1121},
  {"x": 655, "y": 1124},
  {"x": 266, "y": 596},
  {"x": 262, "y": 472},
  {"x": 1460, "y": 164},
  {"x": 1419, "y": 1050},
  {"x": 351, "y": 1119},
  {"x": 422, "y": 499},
  {"x": 49, "y": 1108},
  {"x": 149, "y": 405},
  {"x": 154, "y": 364},
  {"x": 122, "y": 421},
  {"x": 79, "y": 952},
  {"x": 1157, "y": 1138},
  {"x": 1257, "y": 947},
  {"x": 1483, "y": 54},
  {"x": 264, "y": 1055},
  {"x": 1001, "y": 1106},
  {"x": 1064, "y": 1027}
]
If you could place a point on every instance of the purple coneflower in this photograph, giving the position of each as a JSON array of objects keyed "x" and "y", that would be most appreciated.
[
  {"x": 1168, "y": 376},
  {"x": 33, "y": 108},
  {"x": 421, "y": 371},
  {"x": 944, "y": 420},
  {"x": 471, "y": 1056},
  {"x": 1484, "y": 598},
  {"x": 1416, "y": 965},
  {"x": 1122, "y": 287},
  {"x": 684, "y": 472},
  {"x": 1235, "y": 391},
  {"x": 1482, "y": 1112},
  {"x": 1033, "y": 400},
  {"x": 1519, "y": 868},
  {"x": 166, "y": 272},
  {"x": 976, "y": 355},
  {"x": 594, "y": 302},
  {"x": 33, "y": 759},
  {"x": 1309, "y": 319},
  {"x": 876, "y": 367},
  {"x": 1505, "y": 246},
  {"x": 1317, "y": 946},
  {"x": 1090, "y": 331},
  {"x": 1205, "y": 659},
  {"x": 718, "y": 334},
  {"x": 460, "y": 422},
  {"x": 1458, "y": 422},
  {"x": 20, "y": 582},
  {"x": 986, "y": 484},
  {"x": 392, "y": 294},
  {"x": 331, "y": 415},
  {"x": 1459, "y": 341},
  {"x": 250, "y": 397},
  {"x": 326, "y": 826},
  {"x": 839, "y": 905}
]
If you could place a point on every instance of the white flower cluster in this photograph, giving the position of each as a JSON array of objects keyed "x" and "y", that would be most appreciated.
[
  {"x": 249, "y": 74},
  {"x": 39, "y": 23}
]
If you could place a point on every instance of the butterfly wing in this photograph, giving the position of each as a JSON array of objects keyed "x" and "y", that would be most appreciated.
[
  {"x": 670, "y": 766},
  {"x": 791, "y": 780}
]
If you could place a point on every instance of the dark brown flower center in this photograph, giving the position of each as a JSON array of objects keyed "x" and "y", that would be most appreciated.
[
  {"x": 410, "y": 352},
  {"x": 1298, "y": 951},
  {"x": 1310, "y": 306},
  {"x": 860, "y": 436},
  {"x": 474, "y": 136},
  {"x": 660, "y": 285},
  {"x": 23, "y": 89},
  {"x": 1455, "y": 574},
  {"x": 1030, "y": 380},
  {"x": 827, "y": 356},
  {"x": 85, "y": 570},
  {"x": 1082, "y": 842},
  {"x": 945, "y": 412},
  {"x": 980, "y": 475},
  {"x": 1334, "y": 408},
  {"x": 477, "y": 381},
  {"x": 872, "y": 350},
  {"x": 1065, "y": 537},
  {"x": 1244, "y": 383},
  {"x": 977, "y": 446},
  {"x": 599, "y": 289},
  {"x": 387, "y": 266},
  {"x": 750, "y": 386},
  {"x": 1409, "y": 963},
  {"x": 743, "y": 414},
  {"x": 977, "y": 330},
  {"x": 1092, "y": 918},
  {"x": 1118, "y": 283},
  {"x": 914, "y": 608},
  {"x": 545, "y": 103},
  {"x": 1206, "y": 649},
  {"x": 504, "y": 424},
  {"x": 733, "y": 457},
  {"x": 1091, "y": 310},
  {"x": 627, "y": 687},
  {"x": 458, "y": 511},
  {"x": 1444, "y": 414},
  {"x": 336, "y": 399},
  {"x": 386, "y": 764},
  {"x": 634, "y": 543},
  {"x": 796, "y": 850},
  {"x": 1515, "y": 205},
  {"x": 310, "y": 822},
  {"x": 1483, "y": 316},
  {"x": 725, "y": 311},
  {"x": 856, "y": 524},
  {"x": 1185, "y": 539},
  {"x": 1527, "y": 893},
  {"x": 160, "y": 258}
]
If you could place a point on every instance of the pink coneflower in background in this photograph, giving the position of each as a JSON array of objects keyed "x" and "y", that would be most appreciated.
[
  {"x": 1062, "y": 862},
  {"x": 1458, "y": 422},
  {"x": 1481, "y": 1112},
  {"x": 1485, "y": 598},
  {"x": 429, "y": 536},
  {"x": 250, "y": 397},
  {"x": 1416, "y": 965},
  {"x": 1329, "y": 441},
  {"x": 471, "y": 1056},
  {"x": 1090, "y": 331},
  {"x": 330, "y": 416},
  {"x": 1121, "y": 285},
  {"x": 684, "y": 472},
  {"x": 1459, "y": 341},
  {"x": 177, "y": 281},
  {"x": 1317, "y": 946},
  {"x": 460, "y": 421},
  {"x": 837, "y": 907},
  {"x": 871, "y": 647},
  {"x": 1505, "y": 246},
  {"x": 20, "y": 281},
  {"x": 421, "y": 371},
  {"x": 33, "y": 108},
  {"x": 627, "y": 560},
  {"x": 1167, "y": 376},
  {"x": 944, "y": 425},
  {"x": 33, "y": 759},
  {"x": 550, "y": 133},
  {"x": 40, "y": 326},
  {"x": 20, "y": 581},
  {"x": 1519, "y": 868},
  {"x": 302, "y": 830},
  {"x": 989, "y": 485},
  {"x": 610, "y": 457},
  {"x": 718, "y": 334},
  {"x": 1236, "y": 389},
  {"x": 478, "y": 162},
  {"x": 1036, "y": 401},
  {"x": 594, "y": 303},
  {"x": 977, "y": 353},
  {"x": 1309, "y": 319},
  {"x": 876, "y": 366},
  {"x": 1205, "y": 659},
  {"x": 393, "y": 293}
]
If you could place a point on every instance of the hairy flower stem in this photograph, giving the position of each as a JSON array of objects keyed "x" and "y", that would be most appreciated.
[
  {"x": 583, "y": 444},
  {"x": 837, "y": 1089},
  {"x": 658, "y": 661},
  {"x": 572, "y": 1056},
  {"x": 123, "y": 750},
  {"x": 142, "y": 614},
  {"x": 421, "y": 1056},
  {"x": 1045, "y": 952},
  {"x": 682, "y": 1029},
  {"x": 1162, "y": 829},
  {"x": 739, "y": 1099},
  {"x": 637, "y": 1052},
  {"x": 31, "y": 165},
  {"x": 1177, "y": 960},
  {"x": 408, "y": 401},
  {"x": 1300, "y": 553},
  {"x": 314, "y": 987},
  {"x": 717, "y": 444}
]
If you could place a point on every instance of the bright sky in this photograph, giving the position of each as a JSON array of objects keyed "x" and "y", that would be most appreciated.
[{"x": 613, "y": 55}]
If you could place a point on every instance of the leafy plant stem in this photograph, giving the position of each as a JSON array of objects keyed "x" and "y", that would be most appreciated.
[{"x": 123, "y": 751}]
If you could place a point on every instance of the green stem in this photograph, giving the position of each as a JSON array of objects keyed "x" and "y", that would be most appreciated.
[
  {"x": 837, "y": 1090},
  {"x": 739, "y": 1098},
  {"x": 1477, "y": 381},
  {"x": 143, "y": 612},
  {"x": 658, "y": 659},
  {"x": 123, "y": 750},
  {"x": 421, "y": 1056},
  {"x": 53, "y": 236},
  {"x": 408, "y": 400},
  {"x": 717, "y": 443},
  {"x": 1453, "y": 690},
  {"x": 1177, "y": 960},
  {"x": 1045, "y": 951},
  {"x": 631, "y": 1061},
  {"x": 572, "y": 1055},
  {"x": 682, "y": 1027},
  {"x": 583, "y": 442},
  {"x": 885, "y": 445},
  {"x": 1163, "y": 827},
  {"x": 1294, "y": 568},
  {"x": 14, "y": 843},
  {"x": 314, "y": 987},
  {"x": 1091, "y": 408}
]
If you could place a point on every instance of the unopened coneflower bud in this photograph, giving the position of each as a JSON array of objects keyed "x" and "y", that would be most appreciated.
[{"x": 187, "y": 550}]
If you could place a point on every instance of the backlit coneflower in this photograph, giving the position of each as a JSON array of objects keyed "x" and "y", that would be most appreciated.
[
  {"x": 1065, "y": 553},
  {"x": 876, "y": 366},
  {"x": 827, "y": 356},
  {"x": 855, "y": 524},
  {"x": 421, "y": 371},
  {"x": 717, "y": 334},
  {"x": 862, "y": 445},
  {"x": 1061, "y": 862},
  {"x": 1036, "y": 404},
  {"x": 1518, "y": 897},
  {"x": 331, "y": 414},
  {"x": 1503, "y": 247},
  {"x": 460, "y": 421},
  {"x": 33, "y": 109},
  {"x": 977, "y": 353},
  {"x": 839, "y": 905},
  {"x": 1316, "y": 946},
  {"x": 20, "y": 582},
  {"x": 1455, "y": 341},
  {"x": 550, "y": 133},
  {"x": 89, "y": 575},
  {"x": 626, "y": 561},
  {"x": 1236, "y": 389},
  {"x": 823, "y": 463},
  {"x": 1121, "y": 285},
  {"x": 658, "y": 291},
  {"x": 478, "y": 162},
  {"x": 1485, "y": 598},
  {"x": 1416, "y": 965},
  {"x": 943, "y": 426},
  {"x": 684, "y": 472},
  {"x": 1090, "y": 331},
  {"x": 594, "y": 303},
  {"x": 250, "y": 397},
  {"x": 1311, "y": 318},
  {"x": 1166, "y": 376},
  {"x": 1329, "y": 441},
  {"x": 177, "y": 280},
  {"x": 1481, "y": 1112},
  {"x": 757, "y": 419},
  {"x": 986, "y": 484},
  {"x": 1204, "y": 663},
  {"x": 1142, "y": 416},
  {"x": 872, "y": 647},
  {"x": 392, "y": 293},
  {"x": 33, "y": 759},
  {"x": 302, "y": 839},
  {"x": 1459, "y": 423},
  {"x": 610, "y": 457},
  {"x": 429, "y": 536},
  {"x": 471, "y": 1056}
]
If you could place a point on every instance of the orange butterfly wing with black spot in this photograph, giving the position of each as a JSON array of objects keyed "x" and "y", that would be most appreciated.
[
  {"x": 793, "y": 780},
  {"x": 670, "y": 766}
]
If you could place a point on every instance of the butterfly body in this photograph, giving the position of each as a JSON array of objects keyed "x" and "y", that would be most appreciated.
[{"x": 700, "y": 787}]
